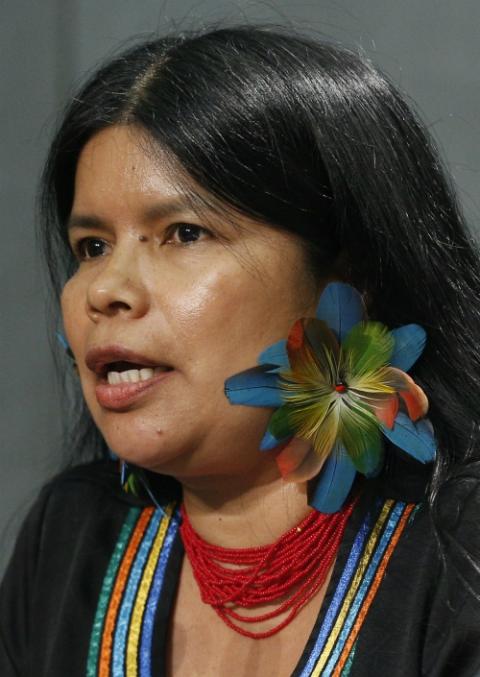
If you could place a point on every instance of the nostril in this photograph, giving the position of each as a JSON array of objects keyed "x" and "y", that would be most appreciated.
[
  {"x": 117, "y": 289},
  {"x": 119, "y": 305}
]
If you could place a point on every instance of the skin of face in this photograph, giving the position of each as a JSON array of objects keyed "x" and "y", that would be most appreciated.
[{"x": 204, "y": 300}]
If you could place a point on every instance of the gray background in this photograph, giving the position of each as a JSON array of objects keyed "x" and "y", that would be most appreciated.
[{"x": 430, "y": 48}]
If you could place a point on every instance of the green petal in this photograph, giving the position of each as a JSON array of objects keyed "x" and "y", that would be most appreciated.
[
  {"x": 280, "y": 425},
  {"x": 359, "y": 431},
  {"x": 367, "y": 347}
]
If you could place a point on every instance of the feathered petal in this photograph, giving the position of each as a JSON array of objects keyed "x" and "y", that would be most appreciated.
[
  {"x": 275, "y": 354},
  {"x": 296, "y": 345},
  {"x": 371, "y": 383},
  {"x": 306, "y": 468},
  {"x": 328, "y": 492},
  {"x": 321, "y": 440},
  {"x": 385, "y": 408},
  {"x": 254, "y": 387},
  {"x": 359, "y": 431},
  {"x": 375, "y": 462},
  {"x": 371, "y": 461},
  {"x": 341, "y": 307},
  {"x": 409, "y": 344},
  {"x": 415, "y": 399},
  {"x": 324, "y": 345},
  {"x": 367, "y": 348},
  {"x": 316, "y": 419},
  {"x": 292, "y": 456},
  {"x": 280, "y": 425},
  {"x": 313, "y": 350},
  {"x": 269, "y": 441},
  {"x": 414, "y": 438}
]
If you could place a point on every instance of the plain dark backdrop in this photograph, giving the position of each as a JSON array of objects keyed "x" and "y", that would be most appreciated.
[{"x": 430, "y": 48}]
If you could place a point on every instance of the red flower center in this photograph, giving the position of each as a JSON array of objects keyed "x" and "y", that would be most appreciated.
[{"x": 340, "y": 387}]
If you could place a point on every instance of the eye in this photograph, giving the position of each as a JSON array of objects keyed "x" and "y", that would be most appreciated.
[
  {"x": 186, "y": 233},
  {"x": 89, "y": 248}
]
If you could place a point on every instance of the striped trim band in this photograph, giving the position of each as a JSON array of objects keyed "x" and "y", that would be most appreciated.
[
  {"x": 122, "y": 633},
  {"x": 120, "y": 643},
  {"x": 333, "y": 652}
]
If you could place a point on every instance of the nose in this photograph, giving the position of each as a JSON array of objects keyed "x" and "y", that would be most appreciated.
[{"x": 117, "y": 288}]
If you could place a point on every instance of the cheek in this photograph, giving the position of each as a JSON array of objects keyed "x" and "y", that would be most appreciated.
[
  {"x": 224, "y": 323},
  {"x": 72, "y": 303},
  {"x": 68, "y": 303}
]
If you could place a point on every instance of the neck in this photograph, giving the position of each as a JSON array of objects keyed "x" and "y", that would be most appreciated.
[{"x": 243, "y": 512}]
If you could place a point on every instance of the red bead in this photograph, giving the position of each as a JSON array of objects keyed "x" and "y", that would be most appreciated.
[{"x": 295, "y": 565}]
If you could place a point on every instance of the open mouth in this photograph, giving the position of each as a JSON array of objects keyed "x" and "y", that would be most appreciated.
[
  {"x": 122, "y": 384},
  {"x": 128, "y": 372}
]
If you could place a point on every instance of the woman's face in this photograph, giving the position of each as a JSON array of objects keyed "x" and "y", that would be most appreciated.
[{"x": 178, "y": 302}]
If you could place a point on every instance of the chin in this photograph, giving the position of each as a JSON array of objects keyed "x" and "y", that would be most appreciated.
[{"x": 154, "y": 449}]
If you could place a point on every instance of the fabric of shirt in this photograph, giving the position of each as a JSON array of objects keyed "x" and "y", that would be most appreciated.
[{"x": 92, "y": 581}]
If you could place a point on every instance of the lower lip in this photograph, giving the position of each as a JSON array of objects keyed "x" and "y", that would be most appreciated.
[{"x": 121, "y": 395}]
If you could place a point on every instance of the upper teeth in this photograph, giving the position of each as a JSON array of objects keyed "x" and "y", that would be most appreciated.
[{"x": 133, "y": 375}]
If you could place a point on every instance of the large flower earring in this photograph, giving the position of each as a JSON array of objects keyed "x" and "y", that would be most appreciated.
[{"x": 338, "y": 384}]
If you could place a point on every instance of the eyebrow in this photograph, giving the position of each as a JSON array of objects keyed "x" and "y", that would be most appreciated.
[{"x": 161, "y": 210}]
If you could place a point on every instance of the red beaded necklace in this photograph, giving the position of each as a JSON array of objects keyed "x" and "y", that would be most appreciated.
[{"x": 288, "y": 572}]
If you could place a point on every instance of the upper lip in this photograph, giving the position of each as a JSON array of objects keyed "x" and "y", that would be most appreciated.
[{"x": 98, "y": 358}]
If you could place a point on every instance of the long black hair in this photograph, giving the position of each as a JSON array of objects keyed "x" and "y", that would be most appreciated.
[{"x": 312, "y": 139}]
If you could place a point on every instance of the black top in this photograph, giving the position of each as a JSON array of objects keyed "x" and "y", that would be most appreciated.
[{"x": 94, "y": 573}]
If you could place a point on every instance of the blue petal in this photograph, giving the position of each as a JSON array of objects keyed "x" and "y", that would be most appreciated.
[
  {"x": 341, "y": 307},
  {"x": 254, "y": 387},
  {"x": 275, "y": 354},
  {"x": 269, "y": 441},
  {"x": 415, "y": 438},
  {"x": 329, "y": 491},
  {"x": 409, "y": 344}
]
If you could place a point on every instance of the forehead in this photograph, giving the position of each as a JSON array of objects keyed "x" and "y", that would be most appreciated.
[
  {"x": 121, "y": 159},
  {"x": 122, "y": 174}
]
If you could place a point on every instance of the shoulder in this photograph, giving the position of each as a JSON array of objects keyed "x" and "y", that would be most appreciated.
[
  {"x": 84, "y": 508},
  {"x": 74, "y": 507},
  {"x": 77, "y": 515},
  {"x": 458, "y": 500},
  {"x": 430, "y": 590},
  {"x": 456, "y": 519},
  {"x": 453, "y": 636},
  {"x": 446, "y": 530},
  {"x": 51, "y": 585},
  {"x": 75, "y": 491},
  {"x": 95, "y": 477},
  {"x": 447, "y": 524},
  {"x": 86, "y": 484}
]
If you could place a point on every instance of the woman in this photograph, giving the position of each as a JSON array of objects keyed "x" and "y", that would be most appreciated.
[{"x": 204, "y": 194}]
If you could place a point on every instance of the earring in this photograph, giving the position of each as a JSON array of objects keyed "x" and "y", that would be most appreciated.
[
  {"x": 133, "y": 481},
  {"x": 338, "y": 385},
  {"x": 65, "y": 345}
]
